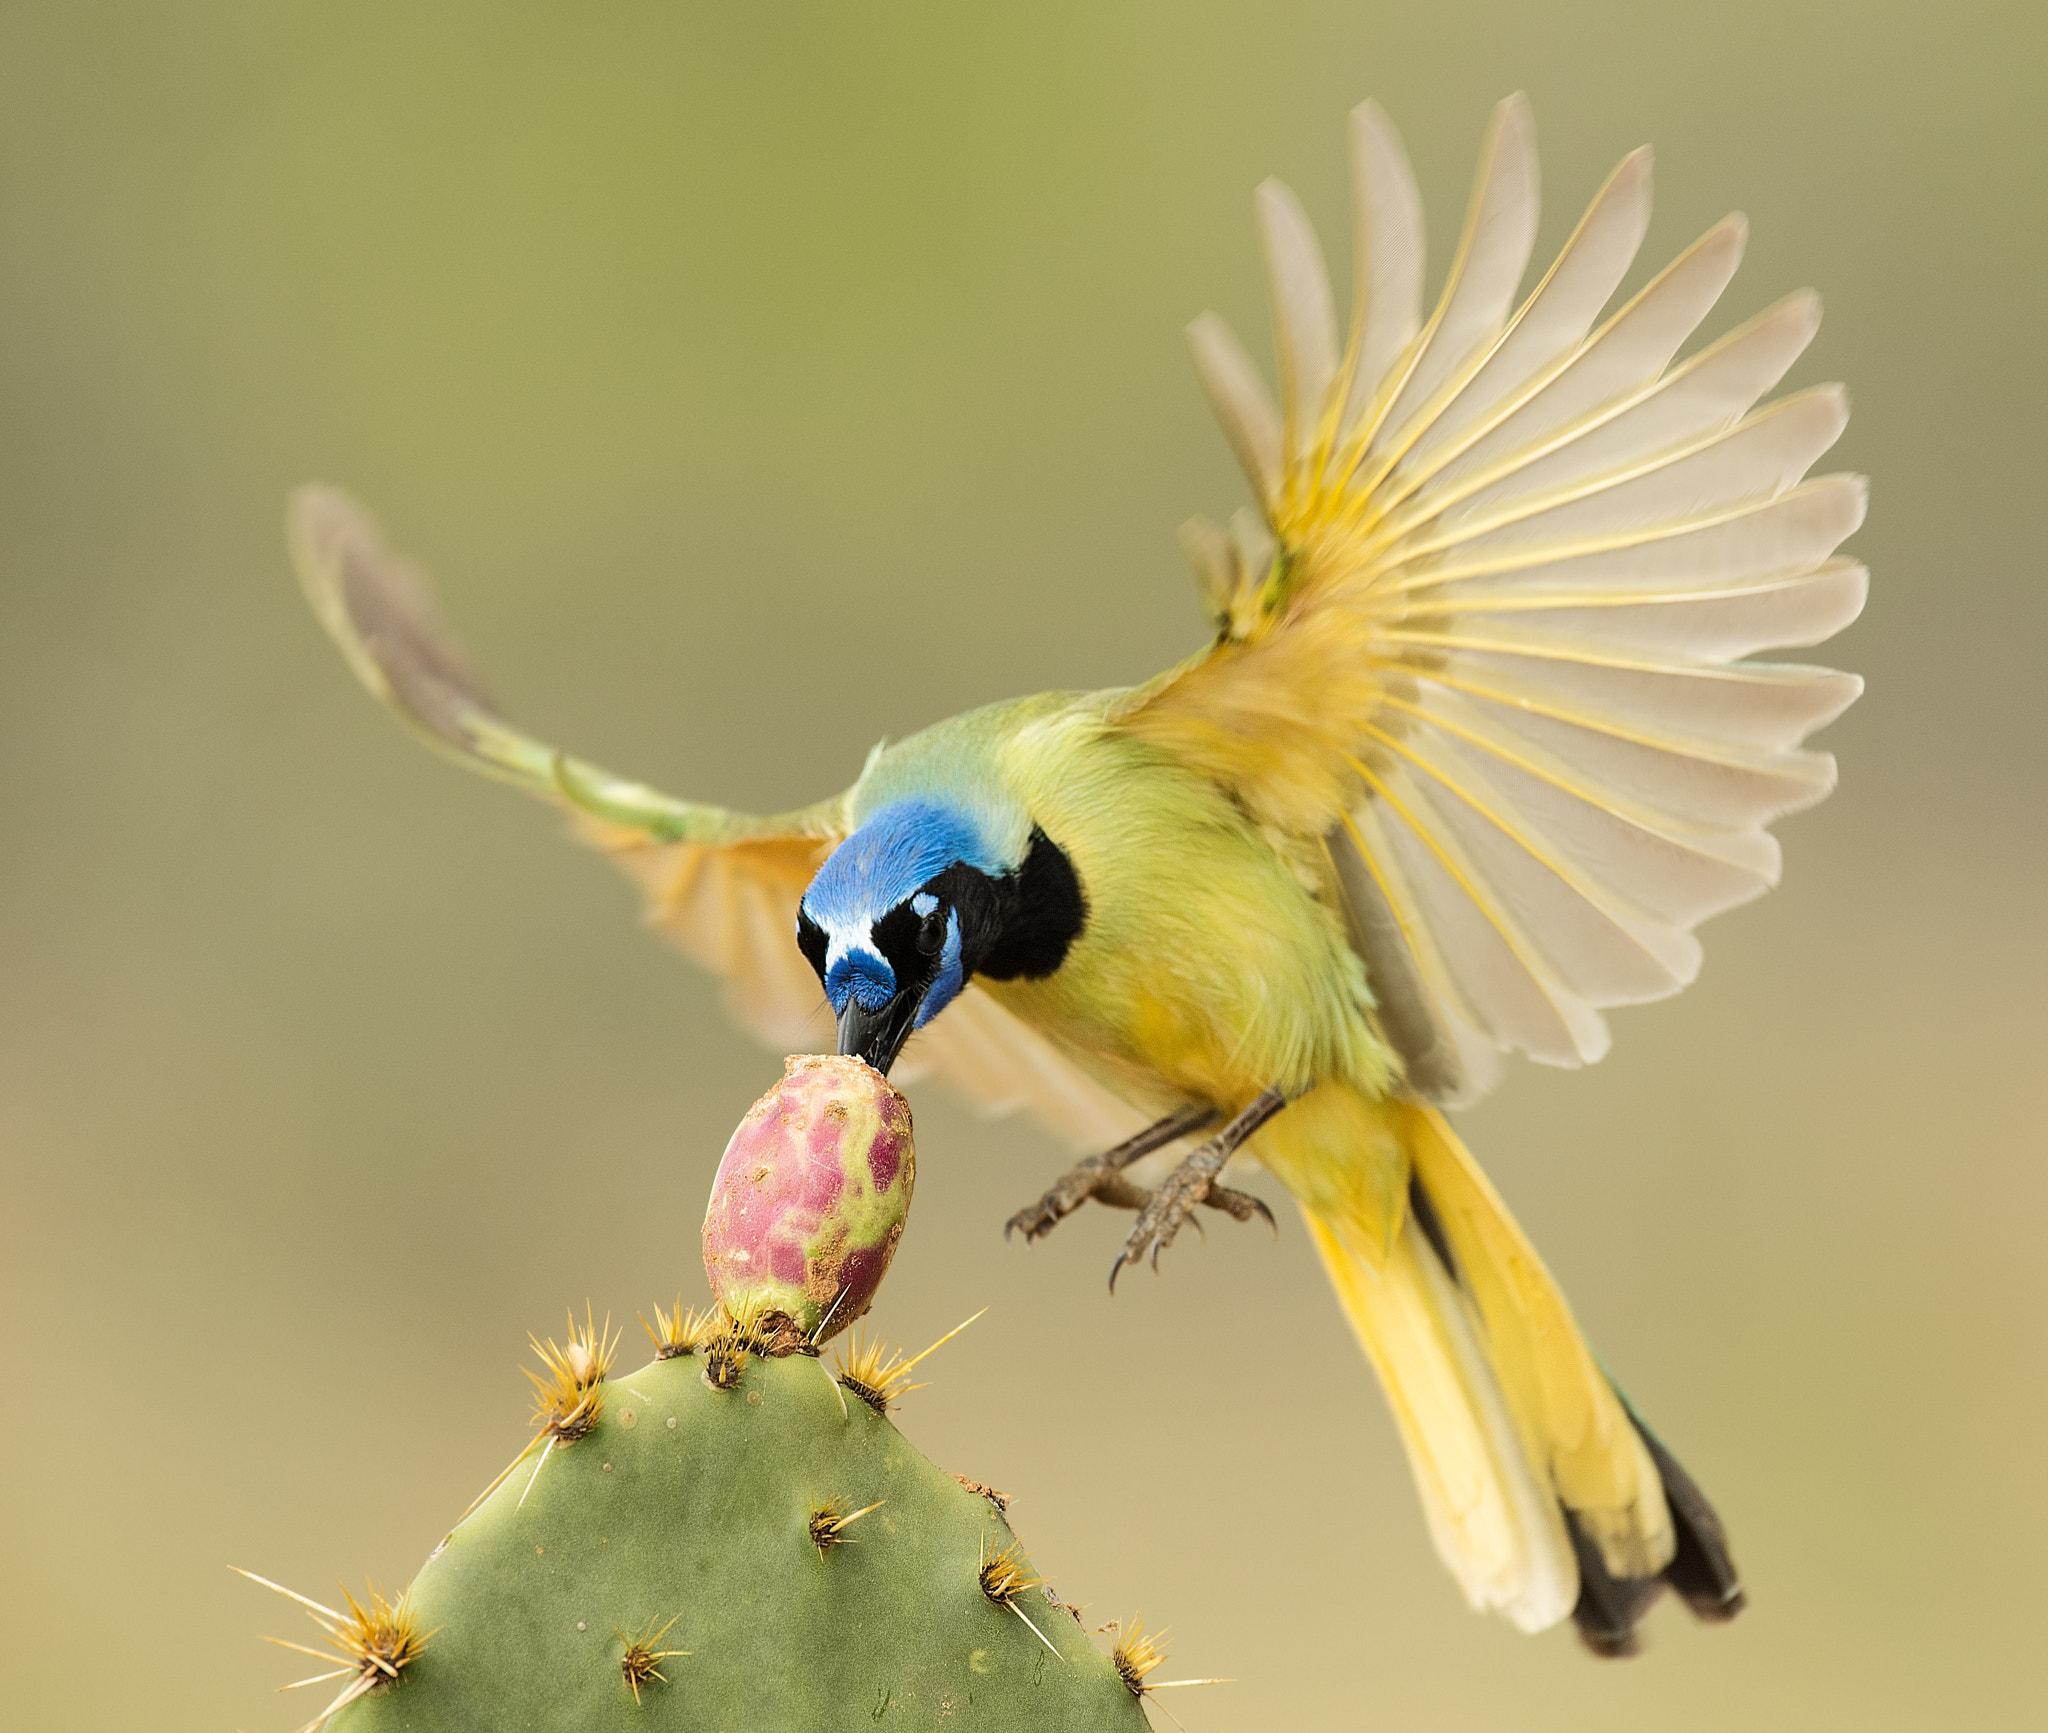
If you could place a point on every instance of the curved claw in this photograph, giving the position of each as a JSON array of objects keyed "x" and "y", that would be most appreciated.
[
  {"x": 1242, "y": 1205},
  {"x": 1032, "y": 1220},
  {"x": 1033, "y": 1223},
  {"x": 1128, "y": 1256},
  {"x": 1168, "y": 1208},
  {"x": 1093, "y": 1178},
  {"x": 1161, "y": 1219}
]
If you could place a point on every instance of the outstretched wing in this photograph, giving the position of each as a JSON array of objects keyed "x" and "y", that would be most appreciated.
[
  {"x": 723, "y": 885},
  {"x": 1488, "y": 637}
]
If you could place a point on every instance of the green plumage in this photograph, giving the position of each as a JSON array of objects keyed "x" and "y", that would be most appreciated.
[
  {"x": 1147, "y": 1001},
  {"x": 1476, "y": 746}
]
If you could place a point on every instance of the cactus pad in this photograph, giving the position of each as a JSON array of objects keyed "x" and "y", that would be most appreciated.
[{"x": 764, "y": 1558}]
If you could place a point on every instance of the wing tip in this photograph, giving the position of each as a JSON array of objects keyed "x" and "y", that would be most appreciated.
[
  {"x": 1850, "y": 483},
  {"x": 379, "y": 610},
  {"x": 1631, "y": 179},
  {"x": 1730, "y": 234},
  {"x": 1240, "y": 397},
  {"x": 1375, "y": 139},
  {"x": 317, "y": 519},
  {"x": 1511, "y": 139},
  {"x": 1858, "y": 576}
]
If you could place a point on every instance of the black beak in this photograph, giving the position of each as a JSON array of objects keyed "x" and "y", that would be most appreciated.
[{"x": 878, "y": 1036}]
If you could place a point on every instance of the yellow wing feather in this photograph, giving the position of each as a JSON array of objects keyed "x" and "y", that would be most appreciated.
[{"x": 1486, "y": 640}]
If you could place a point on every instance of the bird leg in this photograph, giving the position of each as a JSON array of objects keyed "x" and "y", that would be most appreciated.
[
  {"x": 1102, "y": 1176},
  {"x": 1194, "y": 1182}
]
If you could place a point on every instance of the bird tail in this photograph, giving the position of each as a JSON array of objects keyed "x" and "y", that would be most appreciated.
[{"x": 1545, "y": 1494}]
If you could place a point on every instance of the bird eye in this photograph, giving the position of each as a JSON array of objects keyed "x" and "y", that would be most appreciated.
[{"x": 931, "y": 936}]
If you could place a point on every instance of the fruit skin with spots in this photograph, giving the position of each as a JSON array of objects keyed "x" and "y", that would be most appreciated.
[
  {"x": 811, "y": 1196},
  {"x": 701, "y": 1529}
]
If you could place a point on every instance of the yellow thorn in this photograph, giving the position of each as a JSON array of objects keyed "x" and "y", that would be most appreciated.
[
  {"x": 286, "y": 1643},
  {"x": 537, "y": 1467},
  {"x": 504, "y": 1474},
  {"x": 947, "y": 1337},
  {"x": 289, "y": 1594},
  {"x": 1035, "y": 1631},
  {"x": 316, "y": 1679}
]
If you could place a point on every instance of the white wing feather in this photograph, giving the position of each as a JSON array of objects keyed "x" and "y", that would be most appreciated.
[
  {"x": 1554, "y": 548},
  {"x": 1388, "y": 216}
]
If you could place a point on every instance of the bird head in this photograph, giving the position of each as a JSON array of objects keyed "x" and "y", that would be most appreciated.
[{"x": 914, "y": 903}]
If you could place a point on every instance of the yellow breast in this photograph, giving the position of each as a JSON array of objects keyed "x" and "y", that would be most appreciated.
[{"x": 1207, "y": 969}]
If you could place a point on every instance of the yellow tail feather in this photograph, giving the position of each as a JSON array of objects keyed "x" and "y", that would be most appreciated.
[
  {"x": 1495, "y": 1525},
  {"x": 1508, "y": 1420},
  {"x": 1569, "y": 1414}
]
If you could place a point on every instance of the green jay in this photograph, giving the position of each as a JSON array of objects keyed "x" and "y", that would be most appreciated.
[{"x": 1476, "y": 740}]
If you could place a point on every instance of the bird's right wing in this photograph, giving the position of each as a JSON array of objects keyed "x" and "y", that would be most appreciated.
[
  {"x": 723, "y": 885},
  {"x": 1493, "y": 640}
]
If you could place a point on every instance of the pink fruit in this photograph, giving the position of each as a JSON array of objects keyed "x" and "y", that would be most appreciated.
[{"x": 811, "y": 1196}]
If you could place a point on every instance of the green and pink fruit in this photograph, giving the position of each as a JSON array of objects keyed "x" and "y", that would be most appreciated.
[{"x": 811, "y": 1196}]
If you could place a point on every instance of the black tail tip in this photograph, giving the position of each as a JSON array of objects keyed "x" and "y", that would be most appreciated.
[{"x": 1701, "y": 1572}]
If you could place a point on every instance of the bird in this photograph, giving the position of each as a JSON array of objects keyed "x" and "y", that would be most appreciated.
[{"x": 1477, "y": 737}]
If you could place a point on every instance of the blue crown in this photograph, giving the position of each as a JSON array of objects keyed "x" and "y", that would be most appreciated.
[{"x": 899, "y": 849}]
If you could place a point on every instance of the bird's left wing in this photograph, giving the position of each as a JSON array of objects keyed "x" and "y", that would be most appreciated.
[
  {"x": 723, "y": 885},
  {"x": 1488, "y": 637}
]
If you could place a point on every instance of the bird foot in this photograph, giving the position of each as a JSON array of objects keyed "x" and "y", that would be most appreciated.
[
  {"x": 1193, "y": 1183},
  {"x": 1089, "y": 1180},
  {"x": 1102, "y": 1177},
  {"x": 1084, "y": 1180}
]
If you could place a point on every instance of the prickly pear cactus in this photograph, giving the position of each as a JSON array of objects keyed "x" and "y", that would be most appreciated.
[
  {"x": 738, "y": 1543},
  {"x": 735, "y": 1539}
]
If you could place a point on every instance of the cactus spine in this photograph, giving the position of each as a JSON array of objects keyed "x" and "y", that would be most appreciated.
[
  {"x": 733, "y": 1539},
  {"x": 761, "y": 1557}
]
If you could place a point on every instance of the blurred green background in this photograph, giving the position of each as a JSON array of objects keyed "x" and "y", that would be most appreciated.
[{"x": 759, "y": 381}]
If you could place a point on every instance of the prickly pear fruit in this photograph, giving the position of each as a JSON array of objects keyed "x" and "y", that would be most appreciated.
[{"x": 811, "y": 1197}]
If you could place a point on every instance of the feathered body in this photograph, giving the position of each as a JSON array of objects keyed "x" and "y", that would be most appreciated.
[
  {"x": 1145, "y": 1000},
  {"x": 1475, "y": 745}
]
